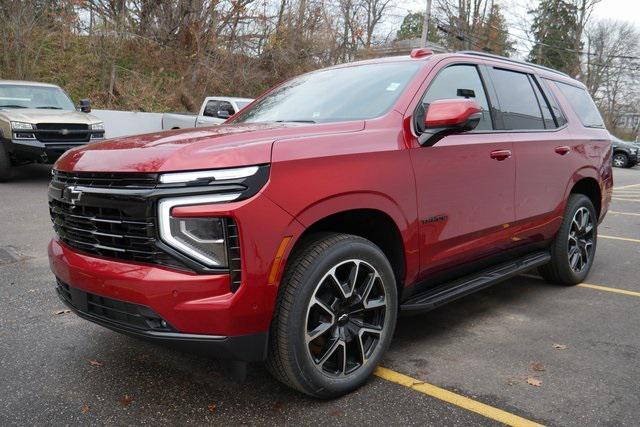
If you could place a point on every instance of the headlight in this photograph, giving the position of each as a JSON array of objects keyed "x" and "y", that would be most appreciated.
[
  {"x": 98, "y": 126},
  {"x": 202, "y": 239},
  {"x": 634, "y": 151},
  {"x": 21, "y": 126}
]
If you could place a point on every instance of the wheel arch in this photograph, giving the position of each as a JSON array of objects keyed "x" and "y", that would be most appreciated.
[
  {"x": 589, "y": 187},
  {"x": 381, "y": 222}
]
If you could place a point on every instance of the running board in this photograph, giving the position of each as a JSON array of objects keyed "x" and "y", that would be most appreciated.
[{"x": 432, "y": 298}]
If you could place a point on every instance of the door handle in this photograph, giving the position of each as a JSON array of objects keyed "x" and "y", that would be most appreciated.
[
  {"x": 500, "y": 155},
  {"x": 562, "y": 150}
]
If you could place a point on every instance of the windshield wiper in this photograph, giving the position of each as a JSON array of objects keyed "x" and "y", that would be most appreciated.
[
  {"x": 295, "y": 121},
  {"x": 12, "y": 106},
  {"x": 49, "y": 107}
]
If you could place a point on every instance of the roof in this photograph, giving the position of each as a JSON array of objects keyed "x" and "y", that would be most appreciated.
[{"x": 25, "y": 83}]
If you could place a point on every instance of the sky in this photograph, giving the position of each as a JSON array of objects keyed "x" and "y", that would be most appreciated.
[{"x": 517, "y": 18}]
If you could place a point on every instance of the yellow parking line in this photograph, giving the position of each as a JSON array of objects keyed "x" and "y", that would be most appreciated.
[
  {"x": 626, "y": 186},
  {"x": 453, "y": 398},
  {"x": 626, "y": 239},
  {"x": 624, "y": 213},
  {"x": 596, "y": 287},
  {"x": 608, "y": 289}
]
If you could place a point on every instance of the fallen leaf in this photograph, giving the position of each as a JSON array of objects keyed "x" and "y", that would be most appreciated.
[
  {"x": 59, "y": 312},
  {"x": 212, "y": 407},
  {"x": 126, "y": 400},
  {"x": 335, "y": 413},
  {"x": 537, "y": 366},
  {"x": 85, "y": 409},
  {"x": 277, "y": 406},
  {"x": 560, "y": 346},
  {"x": 95, "y": 363},
  {"x": 534, "y": 382}
]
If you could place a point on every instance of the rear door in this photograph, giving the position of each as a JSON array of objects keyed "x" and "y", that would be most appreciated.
[
  {"x": 546, "y": 152},
  {"x": 465, "y": 191}
]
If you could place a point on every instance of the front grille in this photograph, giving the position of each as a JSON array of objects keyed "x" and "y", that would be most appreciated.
[
  {"x": 107, "y": 180},
  {"x": 62, "y": 132},
  {"x": 121, "y": 312},
  {"x": 109, "y": 232}
]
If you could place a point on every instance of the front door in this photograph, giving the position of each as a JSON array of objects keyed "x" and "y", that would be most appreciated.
[{"x": 465, "y": 182}]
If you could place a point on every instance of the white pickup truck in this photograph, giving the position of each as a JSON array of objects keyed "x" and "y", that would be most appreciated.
[{"x": 214, "y": 111}]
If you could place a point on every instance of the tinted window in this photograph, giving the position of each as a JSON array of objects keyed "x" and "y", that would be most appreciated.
[
  {"x": 582, "y": 104},
  {"x": 336, "y": 94},
  {"x": 553, "y": 103},
  {"x": 518, "y": 102},
  {"x": 460, "y": 81},
  {"x": 213, "y": 107},
  {"x": 549, "y": 123}
]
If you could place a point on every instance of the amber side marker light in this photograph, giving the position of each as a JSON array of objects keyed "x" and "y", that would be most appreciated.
[{"x": 275, "y": 267}]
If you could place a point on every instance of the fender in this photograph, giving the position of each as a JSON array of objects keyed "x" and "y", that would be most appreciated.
[{"x": 335, "y": 204}]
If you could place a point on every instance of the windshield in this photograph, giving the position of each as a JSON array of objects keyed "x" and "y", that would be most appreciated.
[
  {"x": 43, "y": 97},
  {"x": 351, "y": 93}
]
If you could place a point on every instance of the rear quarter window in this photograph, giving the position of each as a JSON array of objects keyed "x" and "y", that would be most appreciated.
[{"x": 582, "y": 104}]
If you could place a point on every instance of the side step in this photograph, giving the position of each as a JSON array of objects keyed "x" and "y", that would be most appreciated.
[{"x": 435, "y": 297}]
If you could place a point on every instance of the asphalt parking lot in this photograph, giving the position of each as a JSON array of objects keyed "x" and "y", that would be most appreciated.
[{"x": 520, "y": 351}]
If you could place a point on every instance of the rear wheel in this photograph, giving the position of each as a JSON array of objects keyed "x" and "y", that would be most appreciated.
[
  {"x": 5, "y": 165},
  {"x": 335, "y": 315},
  {"x": 574, "y": 247},
  {"x": 620, "y": 160}
]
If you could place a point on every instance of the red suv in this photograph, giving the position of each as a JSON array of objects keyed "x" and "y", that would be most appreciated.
[{"x": 296, "y": 232}]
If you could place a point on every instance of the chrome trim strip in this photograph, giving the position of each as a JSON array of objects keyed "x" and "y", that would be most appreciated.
[{"x": 218, "y": 175}]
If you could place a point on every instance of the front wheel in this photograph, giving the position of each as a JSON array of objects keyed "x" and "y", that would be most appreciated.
[
  {"x": 335, "y": 315},
  {"x": 574, "y": 247}
]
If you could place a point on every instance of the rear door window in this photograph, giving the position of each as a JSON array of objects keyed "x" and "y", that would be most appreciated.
[
  {"x": 460, "y": 81},
  {"x": 518, "y": 102},
  {"x": 582, "y": 104}
]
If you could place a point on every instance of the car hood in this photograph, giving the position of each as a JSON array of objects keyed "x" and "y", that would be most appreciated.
[
  {"x": 192, "y": 149},
  {"x": 36, "y": 115}
]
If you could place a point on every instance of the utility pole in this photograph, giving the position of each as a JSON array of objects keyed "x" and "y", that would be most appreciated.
[{"x": 425, "y": 25}]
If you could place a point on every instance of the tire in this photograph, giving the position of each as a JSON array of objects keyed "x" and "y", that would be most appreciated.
[
  {"x": 574, "y": 246},
  {"x": 6, "y": 171},
  {"x": 620, "y": 160},
  {"x": 308, "y": 300}
]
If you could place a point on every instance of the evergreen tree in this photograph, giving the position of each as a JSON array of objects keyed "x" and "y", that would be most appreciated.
[
  {"x": 555, "y": 32},
  {"x": 411, "y": 28},
  {"x": 495, "y": 33}
]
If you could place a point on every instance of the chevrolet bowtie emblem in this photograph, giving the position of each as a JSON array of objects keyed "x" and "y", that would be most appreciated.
[
  {"x": 72, "y": 195},
  {"x": 65, "y": 131}
]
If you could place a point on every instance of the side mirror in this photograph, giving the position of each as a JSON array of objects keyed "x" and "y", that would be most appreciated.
[
  {"x": 223, "y": 114},
  {"x": 85, "y": 105},
  {"x": 448, "y": 116}
]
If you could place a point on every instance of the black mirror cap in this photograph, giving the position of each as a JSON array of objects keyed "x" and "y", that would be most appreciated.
[
  {"x": 85, "y": 105},
  {"x": 430, "y": 136}
]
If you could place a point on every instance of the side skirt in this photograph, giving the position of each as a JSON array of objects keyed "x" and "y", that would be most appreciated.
[{"x": 447, "y": 292}]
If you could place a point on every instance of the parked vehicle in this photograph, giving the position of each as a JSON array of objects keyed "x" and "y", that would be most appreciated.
[
  {"x": 214, "y": 111},
  {"x": 39, "y": 122},
  {"x": 625, "y": 154},
  {"x": 296, "y": 232}
]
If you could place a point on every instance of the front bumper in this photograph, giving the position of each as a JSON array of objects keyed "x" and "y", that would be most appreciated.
[
  {"x": 247, "y": 348},
  {"x": 36, "y": 151}
]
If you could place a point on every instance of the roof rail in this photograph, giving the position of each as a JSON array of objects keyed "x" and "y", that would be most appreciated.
[{"x": 515, "y": 61}]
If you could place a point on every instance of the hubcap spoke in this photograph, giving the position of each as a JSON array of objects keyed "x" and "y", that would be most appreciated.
[
  {"x": 346, "y": 318},
  {"x": 580, "y": 241}
]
